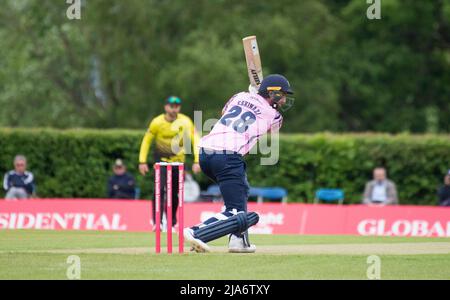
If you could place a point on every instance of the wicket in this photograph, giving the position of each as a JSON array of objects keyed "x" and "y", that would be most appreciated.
[{"x": 157, "y": 204}]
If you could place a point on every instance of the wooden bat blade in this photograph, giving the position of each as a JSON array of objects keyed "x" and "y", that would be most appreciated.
[{"x": 253, "y": 60}]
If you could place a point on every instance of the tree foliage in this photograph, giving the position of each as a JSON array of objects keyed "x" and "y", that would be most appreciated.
[{"x": 114, "y": 67}]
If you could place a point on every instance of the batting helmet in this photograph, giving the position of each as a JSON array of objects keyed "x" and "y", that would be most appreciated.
[{"x": 274, "y": 82}]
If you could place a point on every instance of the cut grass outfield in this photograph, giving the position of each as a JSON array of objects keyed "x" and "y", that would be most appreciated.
[{"x": 121, "y": 255}]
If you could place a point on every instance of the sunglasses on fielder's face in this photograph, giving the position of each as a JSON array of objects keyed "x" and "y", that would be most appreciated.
[{"x": 172, "y": 108}]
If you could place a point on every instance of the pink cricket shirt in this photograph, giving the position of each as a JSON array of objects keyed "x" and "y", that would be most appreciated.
[{"x": 245, "y": 118}]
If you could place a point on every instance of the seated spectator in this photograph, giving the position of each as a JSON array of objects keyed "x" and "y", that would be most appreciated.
[
  {"x": 380, "y": 191},
  {"x": 19, "y": 183},
  {"x": 122, "y": 184},
  {"x": 444, "y": 191}
]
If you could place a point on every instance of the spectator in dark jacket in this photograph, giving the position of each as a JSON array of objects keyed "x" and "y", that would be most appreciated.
[
  {"x": 122, "y": 184},
  {"x": 19, "y": 183},
  {"x": 444, "y": 191}
]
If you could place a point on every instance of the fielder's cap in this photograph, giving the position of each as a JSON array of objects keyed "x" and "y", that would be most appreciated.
[
  {"x": 173, "y": 100},
  {"x": 448, "y": 172},
  {"x": 118, "y": 163}
]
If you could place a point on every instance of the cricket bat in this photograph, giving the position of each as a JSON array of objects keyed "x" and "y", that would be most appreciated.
[{"x": 253, "y": 59}]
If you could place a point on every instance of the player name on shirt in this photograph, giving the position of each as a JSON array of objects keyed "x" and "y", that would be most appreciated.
[
  {"x": 245, "y": 118},
  {"x": 247, "y": 104}
]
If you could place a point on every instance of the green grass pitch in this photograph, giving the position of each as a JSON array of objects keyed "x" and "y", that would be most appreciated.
[{"x": 28, "y": 254}]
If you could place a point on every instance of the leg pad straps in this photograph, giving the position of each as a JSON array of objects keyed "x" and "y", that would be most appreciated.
[{"x": 236, "y": 224}]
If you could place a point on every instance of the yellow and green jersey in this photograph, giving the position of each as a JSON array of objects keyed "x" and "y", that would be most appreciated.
[{"x": 171, "y": 139}]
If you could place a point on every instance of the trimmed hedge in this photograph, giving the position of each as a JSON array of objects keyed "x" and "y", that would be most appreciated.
[
  {"x": 71, "y": 163},
  {"x": 77, "y": 163},
  {"x": 416, "y": 164}
]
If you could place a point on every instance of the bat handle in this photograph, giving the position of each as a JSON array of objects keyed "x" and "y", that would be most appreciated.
[{"x": 253, "y": 89}]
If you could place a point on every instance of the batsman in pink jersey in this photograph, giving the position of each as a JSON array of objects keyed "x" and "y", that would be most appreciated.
[{"x": 246, "y": 117}]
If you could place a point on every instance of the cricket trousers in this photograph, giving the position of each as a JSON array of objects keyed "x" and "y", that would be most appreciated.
[
  {"x": 228, "y": 170},
  {"x": 163, "y": 188}
]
